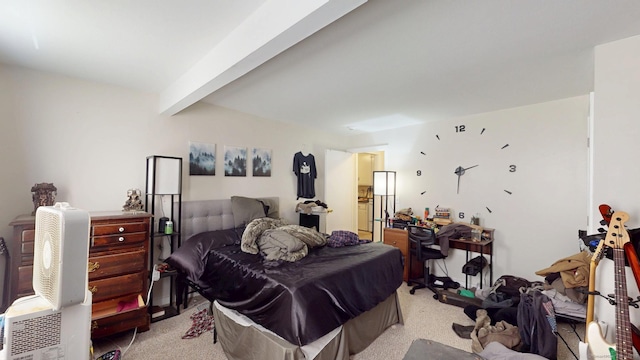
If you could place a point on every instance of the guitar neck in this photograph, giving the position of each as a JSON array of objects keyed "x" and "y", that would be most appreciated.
[
  {"x": 595, "y": 259},
  {"x": 623, "y": 324}
]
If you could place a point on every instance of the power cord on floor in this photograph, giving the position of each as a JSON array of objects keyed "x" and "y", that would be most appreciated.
[
  {"x": 135, "y": 331},
  {"x": 154, "y": 278}
]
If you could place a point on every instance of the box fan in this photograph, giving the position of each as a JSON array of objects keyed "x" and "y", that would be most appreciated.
[{"x": 55, "y": 323}]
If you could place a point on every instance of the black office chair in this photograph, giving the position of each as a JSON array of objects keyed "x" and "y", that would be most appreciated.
[{"x": 421, "y": 240}]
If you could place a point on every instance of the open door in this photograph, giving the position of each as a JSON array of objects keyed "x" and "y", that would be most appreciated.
[{"x": 341, "y": 190}]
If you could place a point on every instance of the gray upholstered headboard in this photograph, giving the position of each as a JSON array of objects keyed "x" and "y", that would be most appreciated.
[
  {"x": 209, "y": 215},
  {"x": 205, "y": 215}
]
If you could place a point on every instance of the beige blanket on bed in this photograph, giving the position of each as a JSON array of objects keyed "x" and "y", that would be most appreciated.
[
  {"x": 276, "y": 244},
  {"x": 276, "y": 240}
]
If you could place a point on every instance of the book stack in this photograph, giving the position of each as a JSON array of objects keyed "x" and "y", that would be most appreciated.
[
  {"x": 157, "y": 311},
  {"x": 442, "y": 216}
]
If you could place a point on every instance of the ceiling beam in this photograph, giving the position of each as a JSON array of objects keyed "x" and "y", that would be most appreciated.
[{"x": 272, "y": 28}]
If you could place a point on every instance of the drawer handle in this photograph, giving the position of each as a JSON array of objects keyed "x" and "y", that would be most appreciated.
[
  {"x": 94, "y": 325},
  {"x": 93, "y": 289},
  {"x": 93, "y": 266},
  {"x": 121, "y": 229},
  {"x": 121, "y": 238}
]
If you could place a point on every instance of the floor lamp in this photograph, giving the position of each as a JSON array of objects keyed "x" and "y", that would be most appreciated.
[{"x": 384, "y": 191}]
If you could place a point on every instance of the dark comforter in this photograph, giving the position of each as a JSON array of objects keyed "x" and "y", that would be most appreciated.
[{"x": 300, "y": 301}]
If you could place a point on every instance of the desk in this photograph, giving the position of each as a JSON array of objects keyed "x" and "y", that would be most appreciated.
[{"x": 400, "y": 239}]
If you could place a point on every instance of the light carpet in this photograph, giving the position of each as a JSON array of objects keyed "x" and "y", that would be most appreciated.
[{"x": 424, "y": 317}]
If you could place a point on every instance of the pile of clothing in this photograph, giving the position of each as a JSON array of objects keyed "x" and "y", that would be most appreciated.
[
  {"x": 566, "y": 282},
  {"x": 309, "y": 206}
]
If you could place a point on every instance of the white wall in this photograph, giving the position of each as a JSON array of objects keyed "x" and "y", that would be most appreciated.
[
  {"x": 91, "y": 140},
  {"x": 616, "y": 174},
  {"x": 616, "y": 118},
  {"x": 536, "y": 225}
]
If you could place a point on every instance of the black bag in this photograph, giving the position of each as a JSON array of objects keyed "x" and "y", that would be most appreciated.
[
  {"x": 506, "y": 291},
  {"x": 512, "y": 285},
  {"x": 537, "y": 325},
  {"x": 474, "y": 266}
]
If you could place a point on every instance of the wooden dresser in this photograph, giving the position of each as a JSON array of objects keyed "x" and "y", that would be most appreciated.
[
  {"x": 400, "y": 239},
  {"x": 118, "y": 268}
]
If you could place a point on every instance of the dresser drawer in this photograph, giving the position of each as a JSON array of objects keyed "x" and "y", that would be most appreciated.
[
  {"x": 121, "y": 228},
  {"x": 119, "y": 239},
  {"x": 25, "y": 276},
  {"x": 27, "y": 238},
  {"x": 117, "y": 264},
  {"x": 117, "y": 286},
  {"x": 28, "y": 235},
  {"x": 397, "y": 238},
  {"x": 106, "y": 319},
  {"x": 400, "y": 239}
]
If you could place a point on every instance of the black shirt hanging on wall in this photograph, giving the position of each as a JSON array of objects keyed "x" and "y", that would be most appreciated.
[{"x": 304, "y": 166}]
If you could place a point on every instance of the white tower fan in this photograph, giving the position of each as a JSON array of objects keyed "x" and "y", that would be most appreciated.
[{"x": 56, "y": 322}]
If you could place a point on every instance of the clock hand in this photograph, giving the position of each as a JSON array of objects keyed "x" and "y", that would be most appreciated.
[{"x": 459, "y": 171}]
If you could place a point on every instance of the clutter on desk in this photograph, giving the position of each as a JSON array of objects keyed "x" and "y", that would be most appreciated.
[
  {"x": 404, "y": 214},
  {"x": 442, "y": 216},
  {"x": 404, "y": 217}
]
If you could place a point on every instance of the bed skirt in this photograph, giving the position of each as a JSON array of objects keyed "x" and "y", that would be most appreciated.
[{"x": 242, "y": 341}]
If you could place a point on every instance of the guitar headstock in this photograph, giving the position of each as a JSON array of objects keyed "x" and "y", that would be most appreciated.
[
  {"x": 617, "y": 235},
  {"x": 606, "y": 212},
  {"x": 598, "y": 253}
]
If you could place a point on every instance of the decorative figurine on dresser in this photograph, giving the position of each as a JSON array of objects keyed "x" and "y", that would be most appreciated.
[
  {"x": 134, "y": 202},
  {"x": 43, "y": 194}
]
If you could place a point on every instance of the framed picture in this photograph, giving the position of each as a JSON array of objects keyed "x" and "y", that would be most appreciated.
[
  {"x": 261, "y": 160},
  {"x": 235, "y": 161},
  {"x": 202, "y": 159}
]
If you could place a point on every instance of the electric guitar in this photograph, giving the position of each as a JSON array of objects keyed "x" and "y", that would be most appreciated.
[
  {"x": 617, "y": 237},
  {"x": 595, "y": 259},
  {"x": 634, "y": 263}
]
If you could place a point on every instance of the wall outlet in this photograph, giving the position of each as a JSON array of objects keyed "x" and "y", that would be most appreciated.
[{"x": 156, "y": 274}]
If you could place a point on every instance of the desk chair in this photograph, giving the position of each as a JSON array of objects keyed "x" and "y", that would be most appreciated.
[{"x": 421, "y": 240}]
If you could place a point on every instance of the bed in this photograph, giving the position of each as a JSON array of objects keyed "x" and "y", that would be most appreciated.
[{"x": 329, "y": 304}]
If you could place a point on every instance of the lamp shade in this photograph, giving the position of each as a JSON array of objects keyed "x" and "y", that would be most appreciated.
[
  {"x": 163, "y": 175},
  {"x": 384, "y": 183}
]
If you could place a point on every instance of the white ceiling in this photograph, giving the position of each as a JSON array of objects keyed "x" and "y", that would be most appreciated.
[{"x": 386, "y": 63}]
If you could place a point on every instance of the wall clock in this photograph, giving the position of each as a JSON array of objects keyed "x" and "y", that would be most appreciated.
[{"x": 467, "y": 167}]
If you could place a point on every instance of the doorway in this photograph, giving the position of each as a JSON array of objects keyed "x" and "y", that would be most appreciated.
[
  {"x": 367, "y": 163},
  {"x": 341, "y": 185}
]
